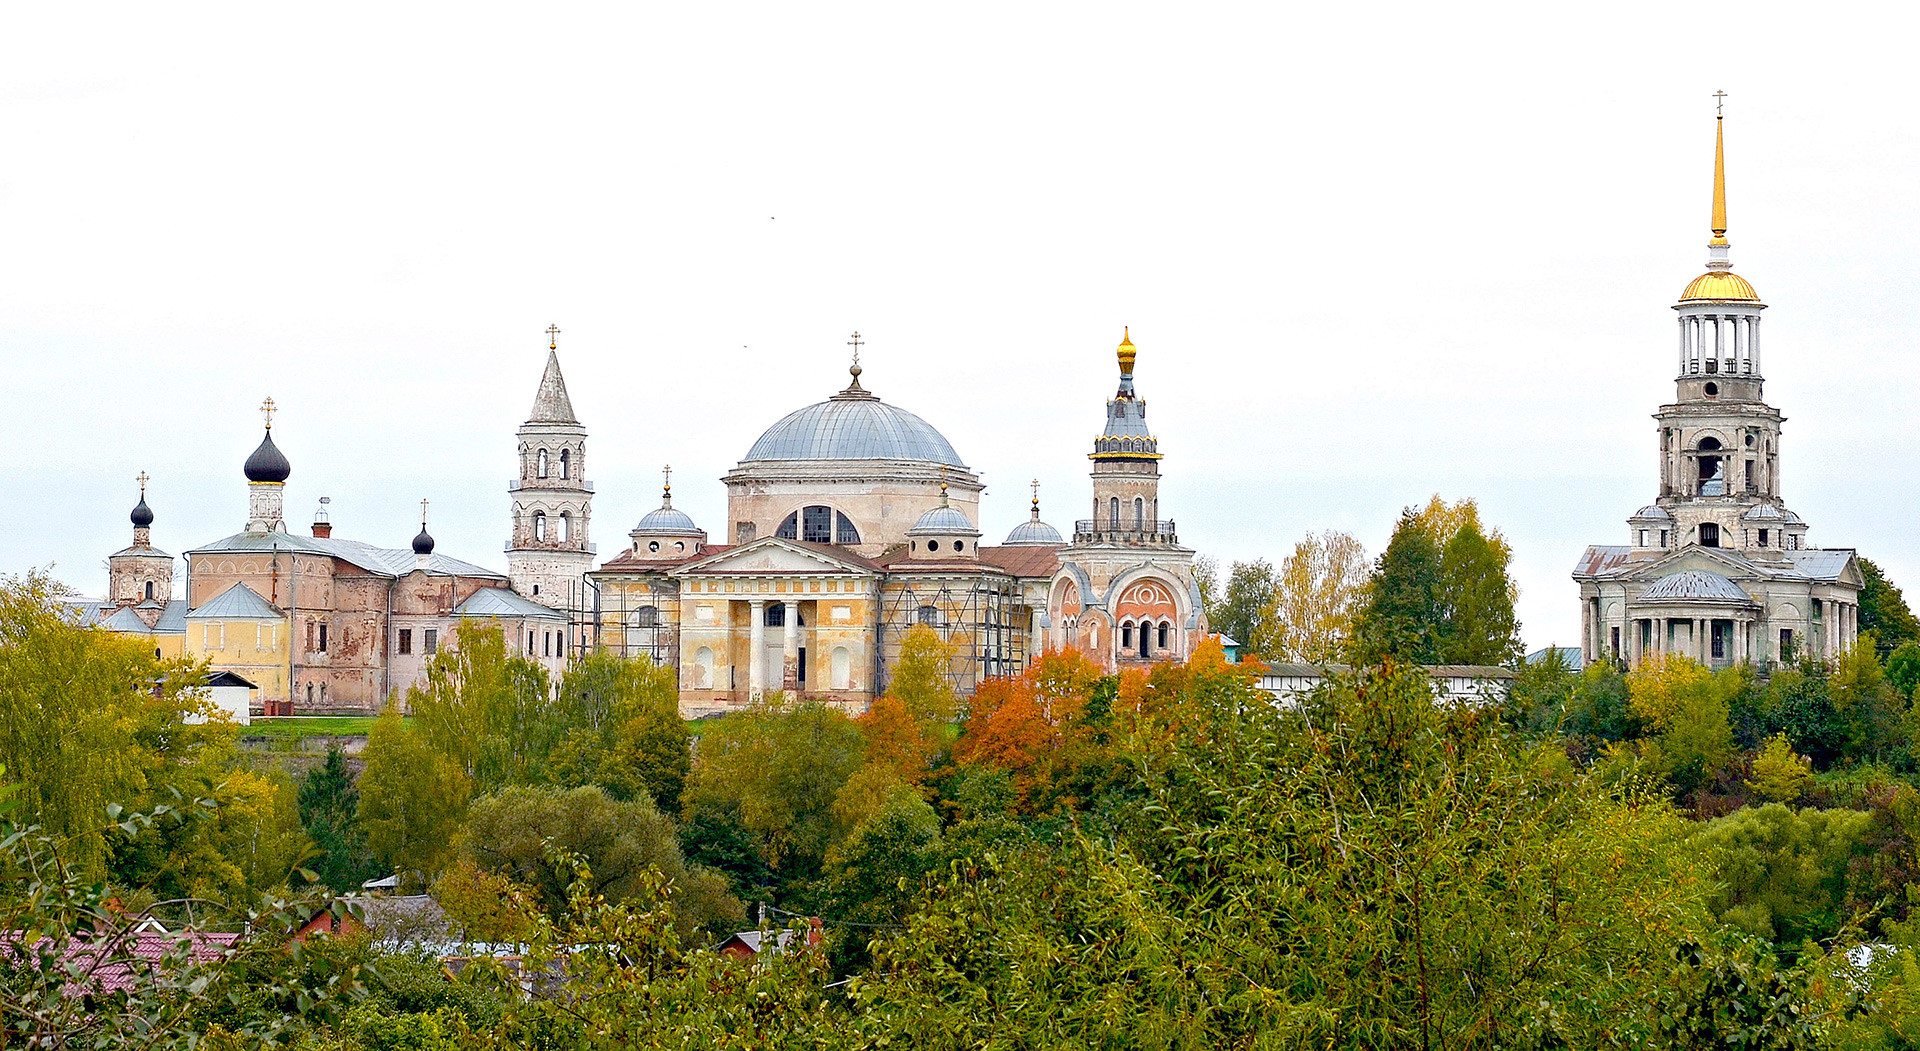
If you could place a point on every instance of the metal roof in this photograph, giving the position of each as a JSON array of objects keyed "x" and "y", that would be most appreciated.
[
  {"x": 1035, "y": 533},
  {"x": 666, "y": 521},
  {"x": 1655, "y": 512},
  {"x": 393, "y": 562},
  {"x": 1763, "y": 513},
  {"x": 853, "y": 426},
  {"x": 550, "y": 403},
  {"x": 499, "y": 602},
  {"x": 172, "y": 620},
  {"x": 1599, "y": 559},
  {"x": 943, "y": 521},
  {"x": 1693, "y": 585},
  {"x": 238, "y": 602},
  {"x": 1820, "y": 564}
]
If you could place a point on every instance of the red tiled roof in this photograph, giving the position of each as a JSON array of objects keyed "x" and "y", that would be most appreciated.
[
  {"x": 1023, "y": 560},
  {"x": 118, "y": 973},
  {"x": 628, "y": 562}
]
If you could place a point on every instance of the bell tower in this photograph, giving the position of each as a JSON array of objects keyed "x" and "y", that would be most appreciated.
[
  {"x": 1719, "y": 440},
  {"x": 1126, "y": 469},
  {"x": 141, "y": 573},
  {"x": 548, "y": 553}
]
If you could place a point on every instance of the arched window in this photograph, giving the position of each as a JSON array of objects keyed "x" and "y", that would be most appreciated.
[
  {"x": 1146, "y": 650},
  {"x": 149, "y": 589},
  {"x": 566, "y": 463},
  {"x": 1126, "y": 636},
  {"x": 1163, "y": 634},
  {"x": 309, "y": 694},
  {"x": 644, "y": 617},
  {"x": 842, "y": 670},
  {"x": 540, "y": 526},
  {"x": 540, "y": 469},
  {"x": 818, "y": 524},
  {"x": 776, "y": 615},
  {"x": 1139, "y": 514},
  {"x": 1113, "y": 513},
  {"x": 843, "y": 530},
  {"x": 566, "y": 527}
]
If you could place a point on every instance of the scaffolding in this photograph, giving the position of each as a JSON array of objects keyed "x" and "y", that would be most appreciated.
[
  {"x": 980, "y": 616},
  {"x": 646, "y": 628}
]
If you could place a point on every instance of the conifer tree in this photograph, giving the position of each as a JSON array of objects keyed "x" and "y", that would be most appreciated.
[
  {"x": 1403, "y": 611},
  {"x": 330, "y": 812},
  {"x": 1476, "y": 600}
]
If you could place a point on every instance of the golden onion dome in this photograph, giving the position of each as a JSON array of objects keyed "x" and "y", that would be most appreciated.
[{"x": 1720, "y": 286}]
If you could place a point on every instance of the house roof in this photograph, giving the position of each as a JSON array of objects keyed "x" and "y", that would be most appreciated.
[
  {"x": 116, "y": 972},
  {"x": 388, "y": 561},
  {"x": 226, "y": 678},
  {"x": 1601, "y": 558},
  {"x": 1821, "y": 563},
  {"x": 499, "y": 602},
  {"x": 238, "y": 602},
  {"x": 172, "y": 619},
  {"x": 1023, "y": 561}
]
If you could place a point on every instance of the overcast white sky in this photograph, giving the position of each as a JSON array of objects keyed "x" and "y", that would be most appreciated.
[{"x": 1368, "y": 253}]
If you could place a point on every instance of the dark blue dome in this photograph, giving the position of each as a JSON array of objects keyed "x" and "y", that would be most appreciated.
[
  {"x": 423, "y": 542},
  {"x": 268, "y": 464},
  {"x": 142, "y": 514}
]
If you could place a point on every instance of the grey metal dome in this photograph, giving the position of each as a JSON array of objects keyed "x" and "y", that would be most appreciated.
[
  {"x": 1035, "y": 533},
  {"x": 1764, "y": 513},
  {"x": 1694, "y": 584},
  {"x": 667, "y": 521},
  {"x": 1653, "y": 511},
  {"x": 943, "y": 521},
  {"x": 853, "y": 425}
]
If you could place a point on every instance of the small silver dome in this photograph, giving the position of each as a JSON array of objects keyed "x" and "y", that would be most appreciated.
[
  {"x": 853, "y": 425},
  {"x": 1763, "y": 513},
  {"x": 1653, "y": 511},
  {"x": 943, "y": 521},
  {"x": 1035, "y": 533},
  {"x": 666, "y": 521}
]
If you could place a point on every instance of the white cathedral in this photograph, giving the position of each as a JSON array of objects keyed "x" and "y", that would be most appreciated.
[{"x": 1717, "y": 568}]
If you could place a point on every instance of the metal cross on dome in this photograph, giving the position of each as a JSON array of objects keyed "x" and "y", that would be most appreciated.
[
  {"x": 423, "y": 514},
  {"x": 553, "y": 337},
  {"x": 1719, "y": 102},
  {"x": 855, "y": 344},
  {"x": 143, "y": 484},
  {"x": 667, "y": 478},
  {"x": 267, "y": 410}
]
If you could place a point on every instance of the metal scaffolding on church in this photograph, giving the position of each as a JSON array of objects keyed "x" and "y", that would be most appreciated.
[{"x": 977, "y": 615}]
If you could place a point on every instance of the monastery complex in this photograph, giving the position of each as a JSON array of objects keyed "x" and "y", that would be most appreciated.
[{"x": 852, "y": 520}]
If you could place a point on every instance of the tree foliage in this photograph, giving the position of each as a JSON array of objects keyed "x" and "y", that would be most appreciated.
[
  {"x": 413, "y": 799},
  {"x": 1241, "y": 609},
  {"x": 1884, "y": 611},
  {"x": 329, "y": 808},
  {"x": 485, "y": 707},
  {"x": 1316, "y": 598}
]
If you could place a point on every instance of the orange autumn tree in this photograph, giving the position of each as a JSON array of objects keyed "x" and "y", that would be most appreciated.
[{"x": 1039, "y": 727}]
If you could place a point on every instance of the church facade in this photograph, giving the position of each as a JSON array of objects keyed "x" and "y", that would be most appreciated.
[
  {"x": 850, "y": 522},
  {"x": 1718, "y": 568}
]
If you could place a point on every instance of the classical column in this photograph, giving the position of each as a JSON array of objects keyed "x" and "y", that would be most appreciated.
[
  {"x": 790, "y": 648},
  {"x": 756, "y": 648}
]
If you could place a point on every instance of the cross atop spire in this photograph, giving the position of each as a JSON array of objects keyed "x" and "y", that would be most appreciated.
[
  {"x": 943, "y": 485},
  {"x": 267, "y": 410},
  {"x": 553, "y": 337},
  {"x": 854, "y": 390},
  {"x": 1719, "y": 101},
  {"x": 666, "y": 486},
  {"x": 1719, "y": 171},
  {"x": 142, "y": 479},
  {"x": 423, "y": 514}
]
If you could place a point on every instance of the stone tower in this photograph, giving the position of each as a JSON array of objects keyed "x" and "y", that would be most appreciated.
[
  {"x": 1719, "y": 440},
  {"x": 1126, "y": 469},
  {"x": 141, "y": 573},
  {"x": 549, "y": 554}
]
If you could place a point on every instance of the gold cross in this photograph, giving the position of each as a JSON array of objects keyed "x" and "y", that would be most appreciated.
[
  {"x": 143, "y": 484},
  {"x": 668, "y": 483},
  {"x": 1719, "y": 100},
  {"x": 267, "y": 410},
  {"x": 855, "y": 344},
  {"x": 1036, "y": 492},
  {"x": 423, "y": 514},
  {"x": 553, "y": 337}
]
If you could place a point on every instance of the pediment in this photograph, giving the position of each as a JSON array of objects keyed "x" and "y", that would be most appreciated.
[
  {"x": 1710, "y": 559},
  {"x": 772, "y": 556}
]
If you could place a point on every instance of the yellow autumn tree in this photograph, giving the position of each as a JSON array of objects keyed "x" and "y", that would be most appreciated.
[
  {"x": 1317, "y": 596},
  {"x": 1687, "y": 704},
  {"x": 1778, "y": 773}
]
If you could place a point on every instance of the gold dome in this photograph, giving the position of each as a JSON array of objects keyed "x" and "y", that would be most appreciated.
[{"x": 1720, "y": 285}]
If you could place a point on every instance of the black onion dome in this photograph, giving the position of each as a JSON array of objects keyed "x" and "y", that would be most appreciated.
[
  {"x": 423, "y": 543},
  {"x": 267, "y": 464},
  {"x": 142, "y": 514}
]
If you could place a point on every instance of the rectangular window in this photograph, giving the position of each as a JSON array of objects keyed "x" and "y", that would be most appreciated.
[
  {"x": 323, "y": 638},
  {"x": 816, "y": 525},
  {"x": 1643, "y": 538},
  {"x": 530, "y": 636},
  {"x": 546, "y": 644},
  {"x": 1663, "y": 538},
  {"x": 430, "y": 642},
  {"x": 1763, "y": 538},
  {"x": 1616, "y": 643},
  {"x": 1786, "y": 644},
  {"x": 1718, "y": 630},
  {"x": 1709, "y": 535},
  {"x": 406, "y": 640}
]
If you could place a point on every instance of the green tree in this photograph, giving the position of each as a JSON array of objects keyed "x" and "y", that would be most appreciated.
[
  {"x": 1903, "y": 669},
  {"x": 1778, "y": 774},
  {"x": 621, "y": 725},
  {"x": 485, "y": 707},
  {"x": 536, "y": 835},
  {"x": 1782, "y": 874},
  {"x": 1867, "y": 705},
  {"x": 1402, "y": 614},
  {"x": 780, "y": 767},
  {"x": 413, "y": 799},
  {"x": 1686, "y": 705},
  {"x": 1476, "y": 601},
  {"x": 1884, "y": 611},
  {"x": 922, "y": 678},
  {"x": 329, "y": 810},
  {"x": 1241, "y": 611}
]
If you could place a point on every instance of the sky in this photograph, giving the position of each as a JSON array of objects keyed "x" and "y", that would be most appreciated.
[{"x": 1368, "y": 253}]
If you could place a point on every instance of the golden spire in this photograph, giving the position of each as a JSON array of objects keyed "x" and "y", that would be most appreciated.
[
  {"x": 1719, "y": 171},
  {"x": 1126, "y": 351}
]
